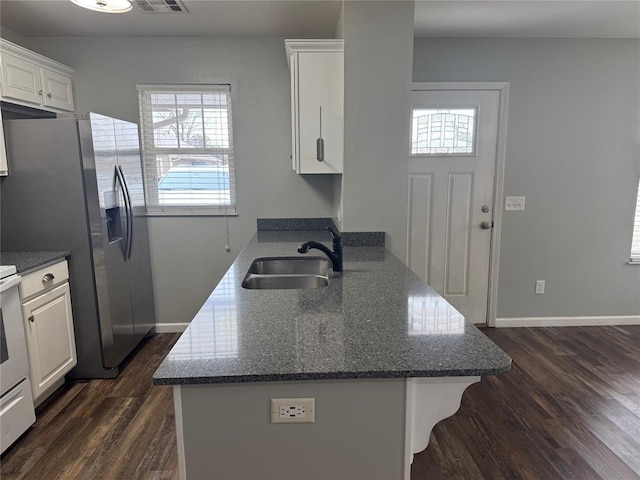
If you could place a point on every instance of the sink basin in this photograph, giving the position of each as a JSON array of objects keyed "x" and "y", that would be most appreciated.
[
  {"x": 287, "y": 273},
  {"x": 253, "y": 281},
  {"x": 290, "y": 266}
]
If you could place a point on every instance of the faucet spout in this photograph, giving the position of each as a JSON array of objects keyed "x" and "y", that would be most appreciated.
[{"x": 334, "y": 255}]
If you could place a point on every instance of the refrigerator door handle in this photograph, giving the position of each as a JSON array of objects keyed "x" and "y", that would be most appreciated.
[
  {"x": 125, "y": 188},
  {"x": 117, "y": 176}
]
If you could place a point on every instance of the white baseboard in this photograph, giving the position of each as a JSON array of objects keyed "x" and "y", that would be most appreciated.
[
  {"x": 171, "y": 327},
  {"x": 567, "y": 321}
]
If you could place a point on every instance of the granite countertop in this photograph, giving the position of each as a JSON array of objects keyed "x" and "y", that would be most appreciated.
[
  {"x": 26, "y": 262},
  {"x": 376, "y": 319}
]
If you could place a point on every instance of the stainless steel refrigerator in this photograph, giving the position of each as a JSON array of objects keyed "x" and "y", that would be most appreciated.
[{"x": 76, "y": 184}]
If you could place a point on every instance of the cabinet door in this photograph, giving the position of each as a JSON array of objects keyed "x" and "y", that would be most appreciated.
[
  {"x": 50, "y": 338},
  {"x": 57, "y": 90},
  {"x": 319, "y": 100},
  {"x": 21, "y": 80}
]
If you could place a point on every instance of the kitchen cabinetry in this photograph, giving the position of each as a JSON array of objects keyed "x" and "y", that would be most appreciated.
[
  {"x": 48, "y": 323},
  {"x": 317, "y": 104},
  {"x": 34, "y": 80}
]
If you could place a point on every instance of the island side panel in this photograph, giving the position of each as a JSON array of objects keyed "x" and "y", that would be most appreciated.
[{"x": 358, "y": 431}]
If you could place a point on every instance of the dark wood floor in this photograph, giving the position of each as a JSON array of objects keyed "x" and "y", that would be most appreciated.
[
  {"x": 569, "y": 409},
  {"x": 104, "y": 429}
]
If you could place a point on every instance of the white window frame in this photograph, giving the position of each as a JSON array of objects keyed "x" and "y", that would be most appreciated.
[
  {"x": 635, "y": 239},
  {"x": 149, "y": 152}
]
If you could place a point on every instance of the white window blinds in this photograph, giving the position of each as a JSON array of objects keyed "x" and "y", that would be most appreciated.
[
  {"x": 635, "y": 242},
  {"x": 187, "y": 145}
]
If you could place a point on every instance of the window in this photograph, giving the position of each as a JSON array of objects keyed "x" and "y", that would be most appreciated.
[
  {"x": 635, "y": 242},
  {"x": 443, "y": 131},
  {"x": 187, "y": 147}
]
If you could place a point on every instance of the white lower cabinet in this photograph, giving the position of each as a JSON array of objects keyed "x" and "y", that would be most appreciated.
[{"x": 49, "y": 333}]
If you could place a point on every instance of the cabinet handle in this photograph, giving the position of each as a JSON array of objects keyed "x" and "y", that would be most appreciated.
[
  {"x": 320, "y": 142},
  {"x": 48, "y": 277},
  {"x": 31, "y": 319},
  {"x": 40, "y": 92},
  {"x": 50, "y": 95},
  {"x": 320, "y": 150}
]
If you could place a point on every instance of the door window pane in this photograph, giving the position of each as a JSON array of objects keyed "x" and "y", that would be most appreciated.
[{"x": 443, "y": 131}]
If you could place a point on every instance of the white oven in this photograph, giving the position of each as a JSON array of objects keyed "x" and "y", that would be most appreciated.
[{"x": 16, "y": 401}]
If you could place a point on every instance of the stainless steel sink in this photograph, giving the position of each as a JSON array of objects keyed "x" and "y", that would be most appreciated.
[
  {"x": 287, "y": 273},
  {"x": 284, "y": 281},
  {"x": 290, "y": 266}
]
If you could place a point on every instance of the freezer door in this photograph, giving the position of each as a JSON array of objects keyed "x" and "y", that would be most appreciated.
[{"x": 139, "y": 261}]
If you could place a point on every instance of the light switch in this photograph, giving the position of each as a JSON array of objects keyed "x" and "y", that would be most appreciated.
[{"x": 514, "y": 204}]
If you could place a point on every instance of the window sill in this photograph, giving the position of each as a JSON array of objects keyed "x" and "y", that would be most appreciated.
[
  {"x": 199, "y": 211},
  {"x": 634, "y": 261}
]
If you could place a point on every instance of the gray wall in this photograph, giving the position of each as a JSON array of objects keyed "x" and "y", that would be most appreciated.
[
  {"x": 13, "y": 36},
  {"x": 358, "y": 432},
  {"x": 378, "y": 38},
  {"x": 188, "y": 253},
  {"x": 573, "y": 150}
]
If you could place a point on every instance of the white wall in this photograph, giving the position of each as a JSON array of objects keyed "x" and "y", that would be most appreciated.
[
  {"x": 378, "y": 38},
  {"x": 573, "y": 150},
  {"x": 188, "y": 253}
]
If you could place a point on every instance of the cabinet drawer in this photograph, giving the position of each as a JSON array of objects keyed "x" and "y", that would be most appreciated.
[{"x": 43, "y": 279}]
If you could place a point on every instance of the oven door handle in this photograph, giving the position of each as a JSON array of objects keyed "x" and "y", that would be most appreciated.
[{"x": 7, "y": 283}]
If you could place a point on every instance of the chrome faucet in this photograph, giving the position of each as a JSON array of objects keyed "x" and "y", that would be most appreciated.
[{"x": 334, "y": 255}]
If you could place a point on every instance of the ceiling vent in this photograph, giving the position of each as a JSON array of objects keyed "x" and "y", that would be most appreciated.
[{"x": 160, "y": 6}]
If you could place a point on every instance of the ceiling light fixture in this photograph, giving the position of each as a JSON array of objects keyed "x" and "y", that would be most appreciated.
[{"x": 107, "y": 6}]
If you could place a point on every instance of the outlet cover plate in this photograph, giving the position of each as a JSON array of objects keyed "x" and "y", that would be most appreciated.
[
  {"x": 293, "y": 410},
  {"x": 514, "y": 204}
]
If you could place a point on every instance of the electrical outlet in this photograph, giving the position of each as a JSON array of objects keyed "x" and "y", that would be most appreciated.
[
  {"x": 293, "y": 410},
  {"x": 539, "y": 287},
  {"x": 514, "y": 204}
]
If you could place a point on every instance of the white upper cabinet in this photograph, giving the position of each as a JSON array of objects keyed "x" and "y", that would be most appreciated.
[
  {"x": 57, "y": 90},
  {"x": 33, "y": 80},
  {"x": 317, "y": 104}
]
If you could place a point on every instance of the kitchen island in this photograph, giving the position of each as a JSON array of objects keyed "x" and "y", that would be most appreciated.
[{"x": 384, "y": 356}]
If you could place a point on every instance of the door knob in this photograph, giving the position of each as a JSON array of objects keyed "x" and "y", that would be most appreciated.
[{"x": 485, "y": 225}]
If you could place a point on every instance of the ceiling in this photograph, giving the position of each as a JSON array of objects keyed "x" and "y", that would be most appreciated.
[
  {"x": 293, "y": 18},
  {"x": 318, "y": 18}
]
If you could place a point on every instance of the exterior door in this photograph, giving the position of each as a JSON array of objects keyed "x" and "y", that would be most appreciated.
[{"x": 451, "y": 186}]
